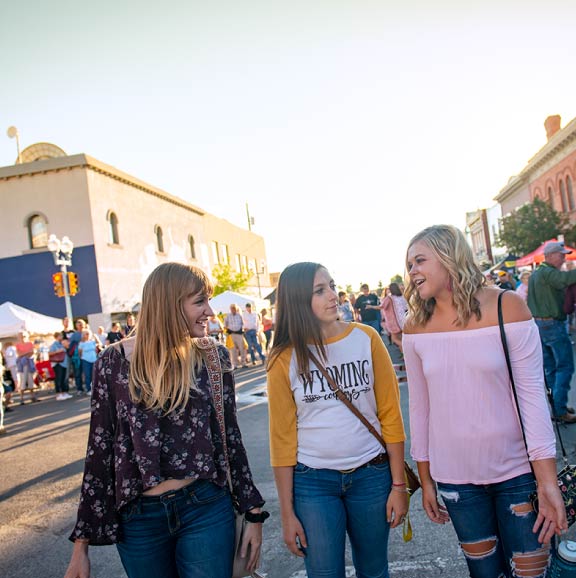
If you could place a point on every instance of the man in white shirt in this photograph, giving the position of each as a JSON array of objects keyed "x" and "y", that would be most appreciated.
[
  {"x": 251, "y": 331},
  {"x": 233, "y": 325}
]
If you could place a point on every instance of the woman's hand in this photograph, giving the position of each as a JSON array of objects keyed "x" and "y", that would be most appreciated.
[
  {"x": 435, "y": 511},
  {"x": 252, "y": 539},
  {"x": 397, "y": 506},
  {"x": 551, "y": 517},
  {"x": 79, "y": 566},
  {"x": 294, "y": 536}
]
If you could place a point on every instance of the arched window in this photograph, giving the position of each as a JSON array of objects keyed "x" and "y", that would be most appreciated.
[
  {"x": 571, "y": 203},
  {"x": 563, "y": 196},
  {"x": 37, "y": 231},
  {"x": 113, "y": 237},
  {"x": 159, "y": 238},
  {"x": 191, "y": 244},
  {"x": 551, "y": 196}
]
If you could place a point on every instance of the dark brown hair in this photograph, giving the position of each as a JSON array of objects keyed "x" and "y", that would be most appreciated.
[{"x": 296, "y": 324}]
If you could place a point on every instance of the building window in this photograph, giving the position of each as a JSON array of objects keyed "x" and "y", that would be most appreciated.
[
  {"x": 192, "y": 246},
  {"x": 551, "y": 196},
  {"x": 159, "y": 238},
  {"x": 563, "y": 196},
  {"x": 571, "y": 203},
  {"x": 215, "y": 256},
  {"x": 224, "y": 255},
  {"x": 37, "y": 231},
  {"x": 238, "y": 263},
  {"x": 244, "y": 264},
  {"x": 113, "y": 237}
]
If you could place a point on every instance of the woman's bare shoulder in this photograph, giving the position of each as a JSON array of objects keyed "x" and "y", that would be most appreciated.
[
  {"x": 127, "y": 344},
  {"x": 514, "y": 308}
]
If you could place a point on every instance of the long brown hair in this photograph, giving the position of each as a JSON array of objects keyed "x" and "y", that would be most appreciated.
[
  {"x": 166, "y": 359},
  {"x": 296, "y": 324},
  {"x": 450, "y": 248}
]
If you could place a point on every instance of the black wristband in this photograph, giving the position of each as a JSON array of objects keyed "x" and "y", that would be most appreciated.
[{"x": 256, "y": 518}]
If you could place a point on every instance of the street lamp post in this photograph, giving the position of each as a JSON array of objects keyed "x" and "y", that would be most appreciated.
[{"x": 62, "y": 252}]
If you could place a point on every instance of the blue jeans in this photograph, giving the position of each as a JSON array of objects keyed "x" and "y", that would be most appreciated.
[
  {"x": 375, "y": 324},
  {"x": 76, "y": 363},
  {"x": 330, "y": 504},
  {"x": 558, "y": 361},
  {"x": 252, "y": 340},
  {"x": 87, "y": 367},
  {"x": 485, "y": 514},
  {"x": 188, "y": 533}
]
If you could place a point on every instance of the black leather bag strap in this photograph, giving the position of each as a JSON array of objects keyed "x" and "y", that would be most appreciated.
[{"x": 513, "y": 385}]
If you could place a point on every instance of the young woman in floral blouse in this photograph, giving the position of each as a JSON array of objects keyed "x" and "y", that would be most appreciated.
[{"x": 155, "y": 480}]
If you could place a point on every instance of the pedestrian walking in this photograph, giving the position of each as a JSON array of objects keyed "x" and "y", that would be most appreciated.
[
  {"x": 465, "y": 433},
  {"x": 58, "y": 357},
  {"x": 546, "y": 293},
  {"x": 155, "y": 481},
  {"x": 332, "y": 476},
  {"x": 394, "y": 310},
  {"x": 252, "y": 326}
]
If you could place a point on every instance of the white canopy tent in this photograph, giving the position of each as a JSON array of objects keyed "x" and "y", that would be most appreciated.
[
  {"x": 14, "y": 319},
  {"x": 222, "y": 302}
]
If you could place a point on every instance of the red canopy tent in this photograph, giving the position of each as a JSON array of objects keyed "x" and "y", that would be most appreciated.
[{"x": 537, "y": 256}]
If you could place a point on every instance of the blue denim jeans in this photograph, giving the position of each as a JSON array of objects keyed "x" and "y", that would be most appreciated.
[
  {"x": 375, "y": 324},
  {"x": 87, "y": 367},
  {"x": 558, "y": 361},
  {"x": 187, "y": 533},
  {"x": 331, "y": 504},
  {"x": 496, "y": 520},
  {"x": 252, "y": 340}
]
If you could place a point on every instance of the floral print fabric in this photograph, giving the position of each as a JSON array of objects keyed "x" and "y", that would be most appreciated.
[{"x": 131, "y": 450}]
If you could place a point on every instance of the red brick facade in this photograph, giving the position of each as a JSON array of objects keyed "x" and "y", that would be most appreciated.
[{"x": 556, "y": 186}]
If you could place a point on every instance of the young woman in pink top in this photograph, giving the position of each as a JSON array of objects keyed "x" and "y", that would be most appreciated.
[{"x": 466, "y": 437}]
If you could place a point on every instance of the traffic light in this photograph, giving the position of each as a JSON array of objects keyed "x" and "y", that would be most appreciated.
[
  {"x": 73, "y": 285},
  {"x": 58, "y": 282}
]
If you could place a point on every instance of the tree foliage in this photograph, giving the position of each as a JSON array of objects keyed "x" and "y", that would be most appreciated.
[
  {"x": 532, "y": 224},
  {"x": 228, "y": 280},
  {"x": 397, "y": 279}
]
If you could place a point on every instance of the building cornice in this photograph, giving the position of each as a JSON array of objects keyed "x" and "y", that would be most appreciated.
[
  {"x": 553, "y": 147},
  {"x": 83, "y": 161}
]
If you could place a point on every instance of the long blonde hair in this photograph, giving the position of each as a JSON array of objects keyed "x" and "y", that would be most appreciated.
[
  {"x": 166, "y": 359},
  {"x": 450, "y": 247}
]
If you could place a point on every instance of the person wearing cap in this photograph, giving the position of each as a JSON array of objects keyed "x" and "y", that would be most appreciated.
[
  {"x": 545, "y": 300},
  {"x": 504, "y": 281}
]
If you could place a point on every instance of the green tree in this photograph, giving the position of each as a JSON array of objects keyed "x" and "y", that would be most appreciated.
[
  {"x": 397, "y": 279},
  {"x": 532, "y": 224},
  {"x": 228, "y": 280}
]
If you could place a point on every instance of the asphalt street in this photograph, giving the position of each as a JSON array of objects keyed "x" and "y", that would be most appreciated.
[{"x": 41, "y": 460}]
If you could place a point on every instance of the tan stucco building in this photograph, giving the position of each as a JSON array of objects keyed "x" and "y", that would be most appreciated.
[{"x": 122, "y": 228}]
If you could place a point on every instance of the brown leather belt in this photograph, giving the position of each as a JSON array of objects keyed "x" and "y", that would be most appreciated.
[{"x": 379, "y": 459}]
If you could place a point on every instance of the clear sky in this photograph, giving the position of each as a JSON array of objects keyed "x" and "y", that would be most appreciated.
[{"x": 346, "y": 126}]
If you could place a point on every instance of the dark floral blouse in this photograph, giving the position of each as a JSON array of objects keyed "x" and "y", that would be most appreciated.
[{"x": 131, "y": 450}]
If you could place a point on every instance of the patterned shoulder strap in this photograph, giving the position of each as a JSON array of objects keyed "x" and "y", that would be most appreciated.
[{"x": 209, "y": 349}]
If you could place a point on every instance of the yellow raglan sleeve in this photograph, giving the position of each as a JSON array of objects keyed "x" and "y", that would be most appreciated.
[
  {"x": 282, "y": 413},
  {"x": 386, "y": 392}
]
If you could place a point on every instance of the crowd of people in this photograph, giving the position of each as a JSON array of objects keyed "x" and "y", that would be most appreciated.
[
  {"x": 166, "y": 466},
  {"x": 69, "y": 359}
]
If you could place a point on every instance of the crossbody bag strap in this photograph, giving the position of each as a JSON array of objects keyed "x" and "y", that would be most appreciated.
[
  {"x": 211, "y": 357},
  {"x": 513, "y": 385},
  {"x": 344, "y": 399}
]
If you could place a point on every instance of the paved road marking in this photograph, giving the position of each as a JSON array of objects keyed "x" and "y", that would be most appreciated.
[{"x": 395, "y": 567}]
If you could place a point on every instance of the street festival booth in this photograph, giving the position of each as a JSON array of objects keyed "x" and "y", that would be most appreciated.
[
  {"x": 537, "y": 256},
  {"x": 221, "y": 303},
  {"x": 14, "y": 319}
]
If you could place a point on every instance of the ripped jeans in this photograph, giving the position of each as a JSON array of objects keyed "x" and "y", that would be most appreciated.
[{"x": 494, "y": 526}]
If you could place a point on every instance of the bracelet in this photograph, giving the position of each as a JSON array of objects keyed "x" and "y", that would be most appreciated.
[
  {"x": 402, "y": 490},
  {"x": 399, "y": 484}
]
